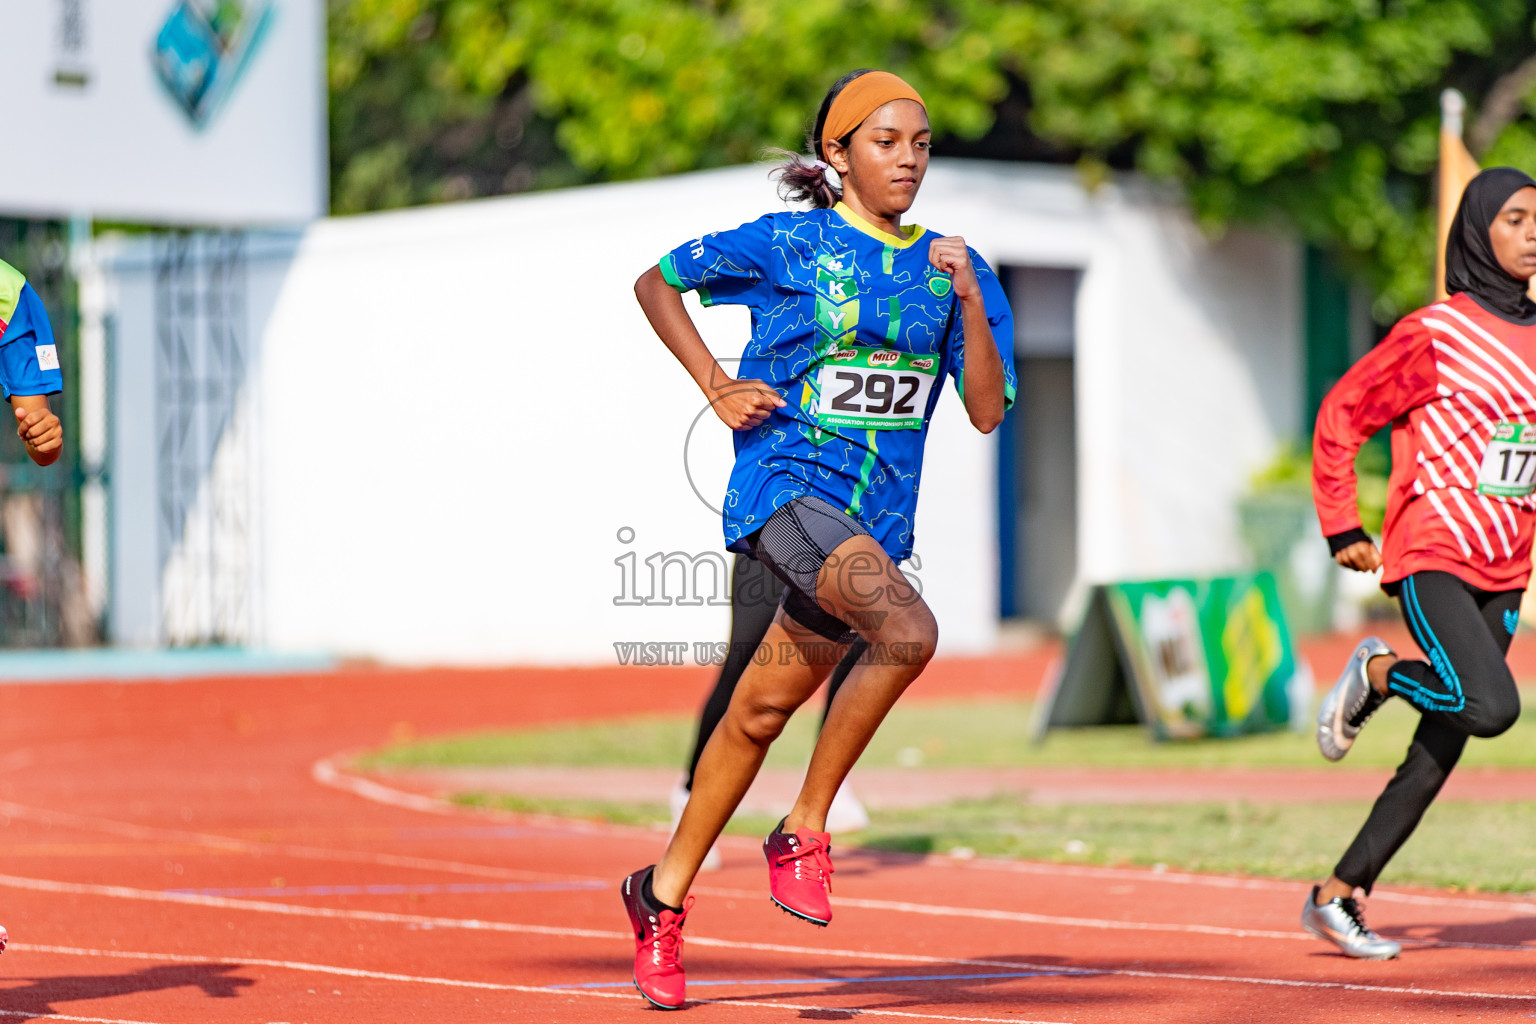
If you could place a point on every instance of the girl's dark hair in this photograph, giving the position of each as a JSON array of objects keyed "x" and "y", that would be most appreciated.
[{"x": 802, "y": 180}]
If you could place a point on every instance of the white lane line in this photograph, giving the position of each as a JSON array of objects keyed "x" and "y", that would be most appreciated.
[
  {"x": 1069, "y": 922},
  {"x": 418, "y": 920},
  {"x": 302, "y": 910},
  {"x": 297, "y": 909},
  {"x": 231, "y": 845},
  {"x": 1024, "y": 917},
  {"x": 326, "y": 772},
  {"x": 1212, "y": 881},
  {"x": 422, "y": 863},
  {"x": 64, "y": 1016},
  {"x": 355, "y": 972},
  {"x": 470, "y": 924}
]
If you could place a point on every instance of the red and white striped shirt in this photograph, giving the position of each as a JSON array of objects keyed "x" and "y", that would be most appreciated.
[{"x": 1457, "y": 384}]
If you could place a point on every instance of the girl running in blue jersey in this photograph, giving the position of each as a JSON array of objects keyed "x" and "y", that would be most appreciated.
[{"x": 856, "y": 320}]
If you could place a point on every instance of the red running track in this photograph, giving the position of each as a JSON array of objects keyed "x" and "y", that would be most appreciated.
[{"x": 170, "y": 857}]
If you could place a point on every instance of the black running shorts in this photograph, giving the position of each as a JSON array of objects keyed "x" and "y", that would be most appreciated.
[{"x": 794, "y": 544}]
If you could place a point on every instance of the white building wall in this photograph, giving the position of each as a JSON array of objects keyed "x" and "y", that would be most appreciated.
[{"x": 466, "y": 424}]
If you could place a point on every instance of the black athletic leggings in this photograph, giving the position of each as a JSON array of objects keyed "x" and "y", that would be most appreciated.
[
  {"x": 755, "y": 594},
  {"x": 1464, "y": 689}
]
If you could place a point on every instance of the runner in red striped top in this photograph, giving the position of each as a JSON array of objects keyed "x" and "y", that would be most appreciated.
[
  {"x": 1457, "y": 382},
  {"x": 1456, "y": 379}
]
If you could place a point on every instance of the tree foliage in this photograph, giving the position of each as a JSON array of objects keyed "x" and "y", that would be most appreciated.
[{"x": 1318, "y": 115}]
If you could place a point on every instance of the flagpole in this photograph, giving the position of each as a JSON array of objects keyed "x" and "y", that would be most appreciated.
[{"x": 1457, "y": 167}]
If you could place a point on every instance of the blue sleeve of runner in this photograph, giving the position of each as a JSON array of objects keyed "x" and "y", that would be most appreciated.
[
  {"x": 1000, "y": 317},
  {"x": 29, "y": 358},
  {"x": 724, "y": 267}
]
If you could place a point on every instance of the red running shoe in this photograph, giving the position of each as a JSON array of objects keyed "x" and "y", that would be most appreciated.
[
  {"x": 4, "y": 938},
  {"x": 800, "y": 873},
  {"x": 658, "y": 943}
]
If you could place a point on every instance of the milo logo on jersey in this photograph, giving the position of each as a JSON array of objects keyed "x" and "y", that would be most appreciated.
[
  {"x": 1520, "y": 433},
  {"x": 874, "y": 389}
]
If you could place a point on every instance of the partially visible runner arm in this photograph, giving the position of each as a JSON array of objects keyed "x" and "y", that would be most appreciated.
[
  {"x": 38, "y": 428},
  {"x": 1394, "y": 377},
  {"x": 984, "y": 399},
  {"x": 740, "y": 404}
]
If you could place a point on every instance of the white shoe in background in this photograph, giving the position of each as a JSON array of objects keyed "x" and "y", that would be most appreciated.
[
  {"x": 679, "y": 800},
  {"x": 846, "y": 813}
]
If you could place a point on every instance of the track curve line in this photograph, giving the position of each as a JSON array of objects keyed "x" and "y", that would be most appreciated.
[
  {"x": 327, "y": 773},
  {"x": 472, "y": 924}
]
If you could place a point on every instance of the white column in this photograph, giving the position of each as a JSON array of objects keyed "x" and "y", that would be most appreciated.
[{"x": 92, "y": 428}]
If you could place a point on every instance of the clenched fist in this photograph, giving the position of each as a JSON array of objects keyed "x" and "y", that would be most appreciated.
[
  {"x": 950, "y": 255},
  {"x": 39, "y": 429},
  {"x": 744, "y": 404}
]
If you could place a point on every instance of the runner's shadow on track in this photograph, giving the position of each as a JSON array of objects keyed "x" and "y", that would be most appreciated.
[
  {"x": 1514, "y": 931},
  {"x": 1046, "y": 980},
  {"x": 38, "y": 997}
]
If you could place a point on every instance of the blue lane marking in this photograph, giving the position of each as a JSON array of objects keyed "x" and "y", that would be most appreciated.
[
  {"x": 692, "y": 983},
  {"x": 394, "y": 890},
  {"x": 126, "y": 665}
]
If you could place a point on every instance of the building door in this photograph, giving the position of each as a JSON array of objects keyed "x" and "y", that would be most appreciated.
[{"x": 1037, "y": 448}]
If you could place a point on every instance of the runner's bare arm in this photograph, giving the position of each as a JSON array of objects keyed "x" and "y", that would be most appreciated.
[
  {"x": 740, "y": 404},
  {"x": 38, "y": 428},
  {"x": 983, "y": 366}
]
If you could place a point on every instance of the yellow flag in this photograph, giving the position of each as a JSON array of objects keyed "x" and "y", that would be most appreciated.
[{"x": 1457, "y": 167}]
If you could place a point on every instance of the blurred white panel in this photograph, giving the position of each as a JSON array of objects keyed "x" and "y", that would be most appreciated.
[{"x": 167, "y": 111}]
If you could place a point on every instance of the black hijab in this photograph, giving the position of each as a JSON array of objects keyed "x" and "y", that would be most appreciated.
[{"x": 1470, "y": 265}]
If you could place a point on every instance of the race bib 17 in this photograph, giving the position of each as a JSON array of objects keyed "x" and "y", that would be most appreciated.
[
  {"x": 873, "y": 388},
  {"x": 1509, "y": 462}
]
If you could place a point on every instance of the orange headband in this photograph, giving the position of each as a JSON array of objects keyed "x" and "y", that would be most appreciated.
[{"x": 862, "y": 97}]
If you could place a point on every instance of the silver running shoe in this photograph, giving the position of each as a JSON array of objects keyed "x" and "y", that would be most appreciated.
[
  {"x": 1344, "y": 703},
  {"x": 1341, "y": 922}
]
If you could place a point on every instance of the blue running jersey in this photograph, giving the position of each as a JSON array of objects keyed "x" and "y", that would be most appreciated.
[
  {"x": 855, "y": 330},
  {"x": 29, "y": 359}
]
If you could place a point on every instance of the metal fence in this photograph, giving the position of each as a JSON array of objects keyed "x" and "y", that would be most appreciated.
[
  {"x": 42, "y": 593},
  {"x": 203, "y": 438}
]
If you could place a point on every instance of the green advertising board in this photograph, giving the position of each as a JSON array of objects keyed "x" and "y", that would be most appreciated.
[{"x": 1188, "y": 658}]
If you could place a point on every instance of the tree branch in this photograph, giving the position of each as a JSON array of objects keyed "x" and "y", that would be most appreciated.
[{"x": 1501, "y": 106}]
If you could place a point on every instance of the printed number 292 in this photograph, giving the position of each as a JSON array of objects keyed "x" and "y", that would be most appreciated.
[{"x": 879, "y": 389}]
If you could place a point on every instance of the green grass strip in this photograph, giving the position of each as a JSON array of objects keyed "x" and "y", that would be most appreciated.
[
  {"x": 1461, "y": 846},
  {"x": 982, "y": 733}
]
